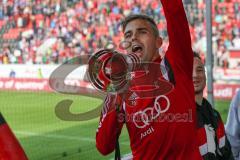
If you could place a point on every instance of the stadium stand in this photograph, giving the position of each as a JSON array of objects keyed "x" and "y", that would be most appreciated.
[{"x": 80, "y": 27}]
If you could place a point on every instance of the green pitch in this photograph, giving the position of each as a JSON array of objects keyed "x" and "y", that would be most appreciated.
[{"x": 46, "y": 137}]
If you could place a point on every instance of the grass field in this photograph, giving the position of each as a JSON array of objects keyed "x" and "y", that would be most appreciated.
[{"x": 45, "y": 137}]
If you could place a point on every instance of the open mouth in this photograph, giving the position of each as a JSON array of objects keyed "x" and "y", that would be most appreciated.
[
  {"x": 137, "y": 49},
  {"x": 196, "y": 83}
]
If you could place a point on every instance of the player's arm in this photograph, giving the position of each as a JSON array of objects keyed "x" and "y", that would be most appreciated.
[
  {"x": 233, "y": 125},
  {"x": 224, "y": 145},
  {"x": 110, "y": 125},
  {"x": 180, "y": 51}
]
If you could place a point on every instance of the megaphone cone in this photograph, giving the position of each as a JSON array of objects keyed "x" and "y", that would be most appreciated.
[{"x": 108, "y": 69}]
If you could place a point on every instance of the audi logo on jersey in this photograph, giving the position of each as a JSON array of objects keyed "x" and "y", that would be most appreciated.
[{"x": 143, "y": 118}]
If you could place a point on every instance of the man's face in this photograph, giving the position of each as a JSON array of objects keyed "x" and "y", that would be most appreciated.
[
  {"x": 199, "y": 77},
  {"x": 143, "y": 41}
]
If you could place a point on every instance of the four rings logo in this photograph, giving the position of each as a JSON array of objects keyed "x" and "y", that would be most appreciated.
[{"x": 143, "y": 118}]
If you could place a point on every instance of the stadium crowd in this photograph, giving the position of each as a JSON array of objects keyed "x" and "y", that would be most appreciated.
[{"x": 54, "y": 31}]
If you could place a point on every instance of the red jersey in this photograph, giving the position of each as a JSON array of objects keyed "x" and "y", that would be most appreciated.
[{"x": 163, "y": 127}]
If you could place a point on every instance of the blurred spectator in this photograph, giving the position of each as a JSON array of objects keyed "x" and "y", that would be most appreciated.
[
  {"x": 233, "y": 125},
  {"x": 12, "y": 74}
]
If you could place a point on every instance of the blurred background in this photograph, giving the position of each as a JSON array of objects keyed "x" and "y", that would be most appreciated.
[{"x": 36, "y": 36}]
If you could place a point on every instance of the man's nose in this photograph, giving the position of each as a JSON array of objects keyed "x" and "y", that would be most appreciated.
[
  {"x": 194, "y": 75},
  {"x": 134, "y": 36}
]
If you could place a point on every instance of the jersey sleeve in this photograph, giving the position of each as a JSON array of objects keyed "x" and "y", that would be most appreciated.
[
  {"x": 179, "y": 52},
  {"x": 233, "y": 125},
  {"x": 224, "y": 147},
  {"x": 110, "y": 124}
]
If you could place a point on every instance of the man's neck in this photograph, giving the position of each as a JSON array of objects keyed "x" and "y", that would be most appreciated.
[
  {"x": 156, "y": 58},
  {"x": 199, "y": 98}
]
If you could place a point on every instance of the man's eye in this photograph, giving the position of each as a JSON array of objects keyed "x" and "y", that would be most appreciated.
[
  {"x": 127, "y": 36},
  {"x": 143, "y": 31}
]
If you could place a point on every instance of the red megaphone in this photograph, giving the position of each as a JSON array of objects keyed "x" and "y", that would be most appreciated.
[{"x": 108, "y": 70}]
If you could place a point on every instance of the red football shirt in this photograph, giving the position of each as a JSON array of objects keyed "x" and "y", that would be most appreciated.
[{"x": 163, "y": 127}]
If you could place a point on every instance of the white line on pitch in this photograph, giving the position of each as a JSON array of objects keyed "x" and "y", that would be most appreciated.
[{"x": 59, "y": 136}]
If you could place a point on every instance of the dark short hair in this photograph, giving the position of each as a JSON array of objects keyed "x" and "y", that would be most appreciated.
[
  {"x": 145, "y": 17},
  {"x": 195, "y": 54}
]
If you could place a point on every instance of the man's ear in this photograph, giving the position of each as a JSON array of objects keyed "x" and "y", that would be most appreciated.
[{"x": 159, "y": 42}]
